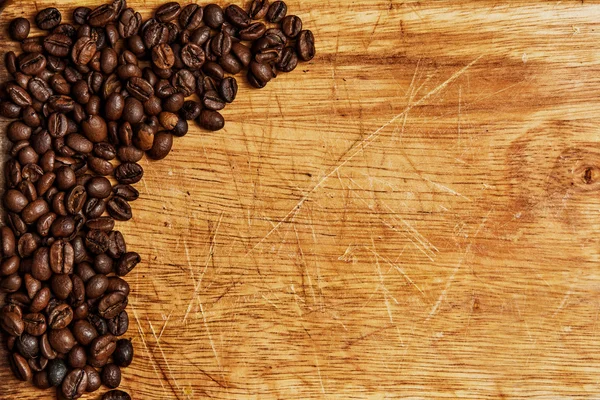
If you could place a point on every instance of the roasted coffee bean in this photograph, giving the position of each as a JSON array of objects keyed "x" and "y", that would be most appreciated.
[
  {"x": 11, "y": 62},
  {"x": 181, "y": 129},
  {"x": 111, "y": 376},
  {"x": 108, "y": 60},
  {"x": 38, "y": 364},
  {"x": 100, "y": 166},
  {"x": 242, "y": 53},
  {"x": 133, "y": 111},
  {"x": 11, "y": 283},
  {"x": 118, "y": 325},
  {"x": 105, "y": 224},
  {"x": 7, "y": 242},
  {"x": 77, "y": 357},
  {"x": 111, "y": 305},
  {"x": 168, "y": 12},
  {"x": 288, "y": 60},
  {"x": 253, "y": 31},
  {"x": 211, "y": 120},
  {"x": 77, "y": 296},
  {"x": 123, "y": 354},
  {"x": 258, "y": 9},
  {"x": 94, "y": 381},
  {"x": 57, "y": 44},
  {"x": 237, "y": 16},
  {"x": 119, "y": 208},
  {"x": 18, "y": 95},
  {"x": 163, "y": 56},
  {"x": 35, "y": 324},
  {"x": 212, "y": 101},
  {"x": 12, "y": 323},
  {"x": 152, "y": 106},
  {"x": 129, "y": 23},
  {"x": 140, "y": 89},
  {"x": 103, "y": 264},
  {"x": 40, "y": 267},
  {"x": 63, "y": 227},
  {"x": 61, "y": 285},
  {"x": 190, "y": 17},
  {"x": 28, "y": 345},
  {"x": 305, "y": 45},
  {"x": 32, "y": 285},
  {"x": 95, "y": 129},
  {"x": 96, "y": 286},
  {"x": 129, "y": 154},
  {"x": 28, "y": 244},
  {"x": 276, "y": 12},
  {"x": 84, "y": 332},
  {"x": 163, "y": 142},
  {"x": 40, "y": 300},
  {"x": 48, "y": 18},
  {"x": 61, "y": 340},
  {"x": 116, "y": 246},
  {"x": 15, "y": 201},
  {"x": 57, "y": 370},
  {"x": 154, "y": 33},
  {"x": 19, "y": 29},
  {"x": 103, "y": 15},
  {"x": 102, "y": 348},
  {"x": 96, "y": 241},
  {"x": 105, "y": 151},
  {"x": 214, "y": 16},
  {"x": 190, "y": 110},
  {"x": 291, "y": 26},
  {"x": 40, "y": 379},
  {"x": 20, "y": 367},
  {"x": 193, "y": 56},
  {"x": 61, "y": 257},
  {"x": 60, "y": 316},
  {"x": 129, "y": 173},
  {"x": 220, "y": 44},
  {"x": 9, "y": 110},
  {"x": 10, "y": 266},
  {"x": 93, "y": 106},
  {"x": 80, "y": 15},
  {"x": 116, "y": 395},
  {"x": 74, "y": 384},
  {"x": 259, "y": 74},
  {"x": 84, "y": 49}
]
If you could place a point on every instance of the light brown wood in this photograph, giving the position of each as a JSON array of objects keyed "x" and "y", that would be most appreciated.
[{"x": 413, "y": 214}]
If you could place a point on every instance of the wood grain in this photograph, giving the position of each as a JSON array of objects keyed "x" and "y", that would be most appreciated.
[{"x": 413, "y": 214}]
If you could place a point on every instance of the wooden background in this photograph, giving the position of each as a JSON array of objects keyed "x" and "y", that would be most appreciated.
[{"x": 413, "y": 214}]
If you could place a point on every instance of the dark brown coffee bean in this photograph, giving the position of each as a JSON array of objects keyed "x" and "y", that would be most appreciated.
[
  {"x": 129, "y": 154},
  {"x": 111, "y": 305},
  {"x": 237, "y": 16},
  {"x": 213, "y": 16},
  {"x": 211, "y": 120},
  {"x": 123, "y": 355},
  {"x": 163, "y": 142},
  {"x": 133, "y": 111},
  {"x": 60, "y": 316},
  {"x": 129, "y": 23},
  {"x": 12, "y": 323},
  {"x": 40, "y": 379},
  {"x": 40, "y": 268},
  {"x": 10, "y": 266},
  {"x": 61, "y": 285},
  {"x": 77, "y": 357},
  {"x": 220, "y": 44},
  {"x": 253, "y": 31},
  {"x": 63, "y": 227},
  {"x": 57, "y": 45},
  {"x": 19, "y": 29},
  {"x": 111, "y": 376},
  {"x": 57, "y": 370},
  {"x": 46, "y": 349},
  {"x": 9, "y": 110},
  {"x": 115, "y": 104},
  {"x": 242, "y": 53},
  {"x": 93, "y": 209},
  {"x": 95, "y": 129},
  {"x": 193, "y": 56},
  {"x": 96, "y": 241},
  {"x": 28, "y": 345},
  {"x": 129, "y": 173},
  {"x": 127, "y": 263},
  {"x": 212, "y": 101},
  {"x": 7, "y": 242},
  {"x": 117, "y": 246},
  {"x": 105, "y": 14},
  {"x": 103, "y": 264},
  {"x": 74, "y": 384},
  {"x": 102, "y": 347},
  {"x": 28, "y": 244},
  {"x": 18, "y": 131},
  {"x": 191, "y": 110},
  {"x": 40, "y": 300},
  {"x": 140, "y": 89},
  {"x": 163, "y": 56},
  {"x": 11, "y": 283},
  {"x": 152, "y": 106},
  {"x": 228, "y": 89},
  {"x": 18, "y": 95},
  {"x": 84, "y": 49},
  {"x": 99, "y": 187},
  {"x": 35, "y": 324},
  {"x": 119, "y": 325},
  {"x": 116, "y": 395},
  {"x": 168, "y": 12},
  {"x": 184, "y": 82},
  {"x": 80, "y": 15},
  {"x": 48, "y": 18},
  {"x": 84, "y": 332},
  {"x": 288, "y": 61},
  {"x": 96, "y": 286},
  {"x": 32, "y": 285},
  {"x": 119, "y": 208},
  {"x": 20, "y": 367},
  {"x": 34, "y": 210},
  {"x": 259, "y": 74},
  {"x": 181, "y": 129},
  {"x": 61, "y": 340},
  {"x": 61, "y": 257},
  {"x": 305, "y": 45},
  {"x": 291, "y": 26},
  {"x": 258, "y": 9},
  {"x": 11, "y": 62}
]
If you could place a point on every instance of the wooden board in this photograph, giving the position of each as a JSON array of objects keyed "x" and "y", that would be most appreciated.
[{"x": 414, "y": 214}]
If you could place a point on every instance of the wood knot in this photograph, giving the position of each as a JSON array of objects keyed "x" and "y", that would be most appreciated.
[{"x": 576, "y": 170}]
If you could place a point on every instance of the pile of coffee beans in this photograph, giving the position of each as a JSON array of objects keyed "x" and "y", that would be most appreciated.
[{"x": 89, "y": 99}]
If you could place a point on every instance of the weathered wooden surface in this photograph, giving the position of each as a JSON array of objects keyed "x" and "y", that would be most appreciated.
[{"x": 414, "y": 214}]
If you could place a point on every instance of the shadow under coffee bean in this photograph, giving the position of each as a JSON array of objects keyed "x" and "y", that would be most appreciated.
[{"x": 89, "y": 100}]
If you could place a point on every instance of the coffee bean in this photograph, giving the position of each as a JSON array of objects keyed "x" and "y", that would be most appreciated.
[
  {"x": 111, "y": 376},
  {"x": 19, "y": 29},
  {"x": 103, "y": 15},
  {"x": 118, "y": 207},
  {"x": 61, "y": 257},
  {"x": 40, "y": 267},
  {"x": 259, "y": 74},
  {"x": 95, "y": 129},
  {"x": 74, "y": 384},
  {"x": 28, "y": 244},
  {"x": 258, "y": 9},
  {"x": 77, "y": 357},
  {"x": 61, "y": 340},
  {"x": 57, "y": 370},
  {"x": 220, "y": 44},
  {"x": 276, "y": 12},
  {"x": 253, "y": 32},
  {"x": 237, "y": 16},
  {"x": 305, "y": 45},
  {"x": 61, "y": 285},
  {"x": 57, "y": 44},
  {"x": 11, "y": 283},
  {"x": 213, "y": 16},
  {"x": 133, "y": 111},
  {"x": 48, "y": 18},
  {"x": 190, "y": 17},
  {"x": 184, "y": 82},
  {"x": 163, "y": 142},
  {"x": 94, "y": 381},
  {"x": 212, "y": 101},
  {"x": 211, "y": 120},
  {"x": 12, "y": 323},
  {"x": 181, "y": 129},
  {"x": 35, "y": 324},
  {"x": 288, "y": 61},
  {"x": 40, "y": 380},
  {"x": 84, "y": 49},
  {"x": 63, "y": 227},
  {"x": 10, "y": 266},
  {"x": 116, "y": 395},
  {"x": 20, "y": 367},
  {"x": 193, "y": 56},
  {"x": 101, "y": 349},
  {"x": 118, "y": 325},
  {"x": 129, "y": 173},
  {"x": 168, "y": 12},
  {"x": 80, "y": 15},
  {"x": 191, "y": 110},
  {"x": 37, "y": 364},
  {"x": 28, "y": 345}
]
